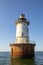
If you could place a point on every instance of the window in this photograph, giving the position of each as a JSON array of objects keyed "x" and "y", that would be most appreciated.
[
  {"x": 27, "y": 29},
  {"x": 22, "y": 34},
  {"x": 26, "y": 40}
]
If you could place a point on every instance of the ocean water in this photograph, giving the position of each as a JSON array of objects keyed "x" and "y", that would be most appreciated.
[{"x": 5, "y": 59}]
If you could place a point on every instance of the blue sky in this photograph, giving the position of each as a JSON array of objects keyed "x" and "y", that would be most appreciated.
[{"x": 9, "y": 13}]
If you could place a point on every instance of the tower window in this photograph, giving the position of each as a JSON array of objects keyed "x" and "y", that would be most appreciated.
[
  {"x": 27, "y": 29},
  {"x": 26, "y": 40},
  {"x": 22, "y": 34}
]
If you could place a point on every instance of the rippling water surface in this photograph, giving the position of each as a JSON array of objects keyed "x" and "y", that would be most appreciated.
[{"x": 6, "y": 60}]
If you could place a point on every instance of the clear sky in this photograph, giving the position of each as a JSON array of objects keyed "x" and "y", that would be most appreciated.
[{"x": 9, "y": 13}]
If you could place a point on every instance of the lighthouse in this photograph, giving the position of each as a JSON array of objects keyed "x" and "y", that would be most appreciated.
[
  {"x": 22, "y": 47},
  {"x": 22, "y": 31}
]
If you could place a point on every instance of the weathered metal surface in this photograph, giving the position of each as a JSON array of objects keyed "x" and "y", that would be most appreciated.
[{"x": 22, "y": 50}]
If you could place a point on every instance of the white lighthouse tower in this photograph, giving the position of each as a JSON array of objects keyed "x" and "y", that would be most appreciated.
[{"x": 22, "y": 32}]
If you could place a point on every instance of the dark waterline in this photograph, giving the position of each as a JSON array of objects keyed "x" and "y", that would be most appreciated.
[{"x": 6, "y": 60}]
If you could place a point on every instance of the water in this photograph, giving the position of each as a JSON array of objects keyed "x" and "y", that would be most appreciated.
[{"x": 6, "y": 60}]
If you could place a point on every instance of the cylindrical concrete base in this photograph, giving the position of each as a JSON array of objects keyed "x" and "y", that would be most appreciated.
[{"x": 22, "y": 50}]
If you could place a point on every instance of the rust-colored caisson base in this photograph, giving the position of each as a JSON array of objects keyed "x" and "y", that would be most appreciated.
[{"x": 22, "y": 50}]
